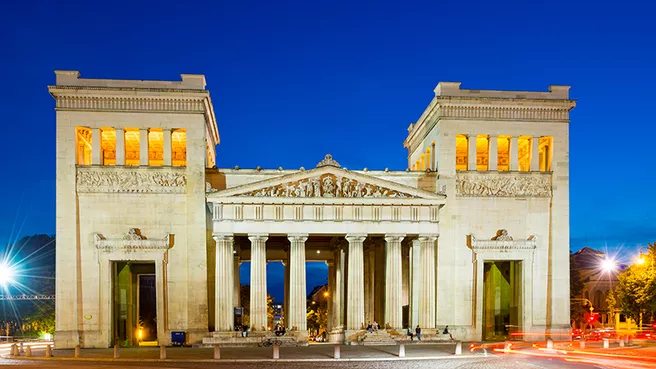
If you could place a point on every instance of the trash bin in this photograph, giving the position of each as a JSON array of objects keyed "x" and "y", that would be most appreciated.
[{"x": 178, "y": 338}]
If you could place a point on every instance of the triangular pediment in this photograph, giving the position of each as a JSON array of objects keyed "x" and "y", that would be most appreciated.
[{"x": 327, "y": 182}]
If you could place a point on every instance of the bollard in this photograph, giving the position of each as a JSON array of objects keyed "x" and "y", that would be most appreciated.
[
  {"x": 28, "y": 351},
  {"x": 401, "y": 350},
  {"x": 336, "y": 352},
  {"x": 458, "y": 348},
  {"x": 549, "y": 344},
  {"x": 606, "y": 343},
  {"x": 581, "y": 344},
  {"x": 629, "y": 340},
  {"x": 48, "y": 351},
  {"x": 217, "y": 352},
  {"x": 162, "y": 352},
  {"x": 621, "y": 341},
  {"x": 506, "y": 346},
  {"x": 276, "y": 352},
  {"x": 116, "y": 353},
  {"x": 21, "y": 349},
  {"x": 77, "y": 351},
  {"x": 14, "y": 350}
]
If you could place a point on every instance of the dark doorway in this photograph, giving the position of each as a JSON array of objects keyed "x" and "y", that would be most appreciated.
[
  {"x": 134, "y": 303},
  {"x": 501, "y": 300}
]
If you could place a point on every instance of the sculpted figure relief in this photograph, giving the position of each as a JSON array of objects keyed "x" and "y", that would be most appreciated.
[
  {"x": 503, "y": 185},
  {"x": 124, "y": 180},
  {"x": 327, "y": 186}
]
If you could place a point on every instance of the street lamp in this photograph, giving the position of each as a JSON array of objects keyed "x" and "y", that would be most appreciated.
[{"x": 641, "y": 259}]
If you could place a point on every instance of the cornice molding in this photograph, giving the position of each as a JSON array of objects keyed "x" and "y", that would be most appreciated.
[
  {"x": 503, "y": 243},
  {"x": 131, "y": 104},
  {"x": 132, "y": 241}
]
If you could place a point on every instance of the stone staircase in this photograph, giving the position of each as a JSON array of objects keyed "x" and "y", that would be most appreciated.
[{"x": 378, "y": 338}]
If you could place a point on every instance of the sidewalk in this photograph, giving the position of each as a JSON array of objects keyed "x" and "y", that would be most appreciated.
[{"x": 258, "y": 354}]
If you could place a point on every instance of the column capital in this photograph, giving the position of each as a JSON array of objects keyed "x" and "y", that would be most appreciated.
[
  {"x": 223, "y": 237},
  {"x": 428, "y": 237},
  {"x": 258, "y": 237},
  {"x": 394, "y": 237},
  {"x": 297, "y": 237},
  {"x": 351, "y": 238}
]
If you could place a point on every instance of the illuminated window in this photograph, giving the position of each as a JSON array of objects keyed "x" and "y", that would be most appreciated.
[
  {"x": 503, "y": 153},
  {"x": 179, "y": 148},
  {"x": 83, "y": 146},
  {"x": 108, "y": 146},
  {"x": 482, "y": 152},
  {"x": 132, "y": 147},
  {"x": 461, "y": 152},
  {"x": 156, "y": 147},
  {"x": 524, "y": 153},
  {"x": 546, "y": 153}
]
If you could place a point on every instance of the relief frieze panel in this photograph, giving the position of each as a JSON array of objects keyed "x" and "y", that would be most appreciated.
[
  {"x": 327, "y": 185},
  {"x": 128, "y": 180},
  {"x": 512, "y": 184}
]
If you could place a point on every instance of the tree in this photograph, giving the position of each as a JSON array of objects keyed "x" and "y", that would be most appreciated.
[
  {"x": 576, "y": 308},
  {"x": 245, "y": 303},
  {"x": 636, "y": 290}
]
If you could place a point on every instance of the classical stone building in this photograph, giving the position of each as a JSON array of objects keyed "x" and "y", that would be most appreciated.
[{"x": 474, "y": 234}]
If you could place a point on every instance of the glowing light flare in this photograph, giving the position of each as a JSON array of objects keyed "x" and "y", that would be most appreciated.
[
  {"x": 608, "y": 265},
  {"x": 640, "y": 261},
  {"x": 7, "y": 274}
]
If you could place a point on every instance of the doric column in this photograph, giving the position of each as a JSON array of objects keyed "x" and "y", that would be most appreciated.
[
  {"x": 285, "y": 307},
  {"x": 394, "y": 282},
  {"x": 427, "y": 284},
  {"x": 535, "y": 154},
  {"x": 433, "y": 156},
  {"x": 514, "y": 153},
  {"x": 120, "y": 146},
  {"x": 297, "y": 283},
  {"x": 415, "y": 281},
  {"x": 224, "y": 305},
  {"x": 338, "y": 297},
  {"x": 96, "y": 149},
  {"x": 237, "y": 283},
  {"x": 258, "y": 311},
  {"x": 143, "y": 146},
  {"x": 331, "y": 294},
  {"x": 471, "y": 156},
  {"x": 493, "y": 157},
  {"x": 167, "y": 147},
  {"x": 355, "y": 290}
]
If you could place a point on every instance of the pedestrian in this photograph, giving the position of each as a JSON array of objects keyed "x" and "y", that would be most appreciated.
[
  {"x": 418, "y": 332},
  {"x": 409, "y": 333},
  {"x": 446, "y": 331},
  {"x": 370, "y": 327}
]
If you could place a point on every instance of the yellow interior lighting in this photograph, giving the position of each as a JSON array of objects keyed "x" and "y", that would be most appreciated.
[
  {"x": 545, "y": 151},
  {"x": 524, "y": 153},
  {"x": 132, "y": 147},
  {"x": 503, "y": 153},
  {"x": 179, "y": 148},
  {"x": 482, "y": 152},
  {"x": 108, "y": 145},
  {"x": 156, "y": 147},
  {"x": 461, "y": 152},
  {"x": 83, "y": 146}
]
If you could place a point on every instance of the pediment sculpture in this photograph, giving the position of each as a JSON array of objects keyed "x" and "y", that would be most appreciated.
[
  {"x": 327, "y": 185},
  {"x": 502, "y": 242},
  {"x": 132, "y": 241}
]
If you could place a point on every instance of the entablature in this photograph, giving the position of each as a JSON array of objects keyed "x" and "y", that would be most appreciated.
[{"x": 132, "y": 241}]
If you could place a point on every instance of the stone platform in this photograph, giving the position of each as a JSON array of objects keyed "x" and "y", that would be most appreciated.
[{"x": 235, "y": 339}]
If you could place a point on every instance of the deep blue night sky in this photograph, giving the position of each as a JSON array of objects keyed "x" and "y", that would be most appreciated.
[{"x": 293, "y": 80}]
